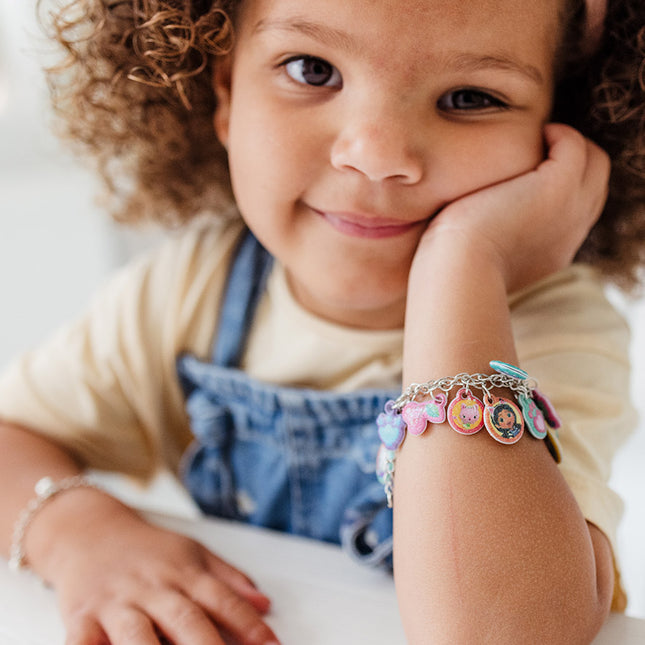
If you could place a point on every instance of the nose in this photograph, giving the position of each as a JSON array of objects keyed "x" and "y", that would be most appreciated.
[{"x": 381, "y": 144}]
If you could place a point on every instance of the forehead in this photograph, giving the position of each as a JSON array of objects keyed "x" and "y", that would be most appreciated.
[{"x": 395, "y": 33}]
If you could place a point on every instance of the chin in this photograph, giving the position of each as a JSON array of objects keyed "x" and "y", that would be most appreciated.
[{"x": 365, "y": 308}]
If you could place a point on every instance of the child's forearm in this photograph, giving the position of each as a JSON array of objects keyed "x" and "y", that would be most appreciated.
[
  {"x": 24, "y": 459},
  {"x": 490, "y": 546},
  {"x": 117, "y": 577}
]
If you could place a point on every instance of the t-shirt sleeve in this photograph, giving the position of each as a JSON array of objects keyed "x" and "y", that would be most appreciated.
[
  {"x": 573, "y": 341},
  {"x": 104, "y": 386}
]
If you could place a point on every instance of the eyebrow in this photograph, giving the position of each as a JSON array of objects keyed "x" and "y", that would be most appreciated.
[
  {"x": 474, "y": 62},
  {"x": 321, "y": 33},
  {"x": 460, "y": 62}
]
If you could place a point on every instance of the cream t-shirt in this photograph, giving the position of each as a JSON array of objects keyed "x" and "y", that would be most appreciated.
[{"x": 105, "y": 385}]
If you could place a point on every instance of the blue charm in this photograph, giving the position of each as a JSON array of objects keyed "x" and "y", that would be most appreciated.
[
  {"x": 509, "y": 370},
  {"x": 391, "y": 427}
]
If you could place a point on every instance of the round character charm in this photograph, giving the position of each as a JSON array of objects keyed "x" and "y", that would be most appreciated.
[
  {"x": 503, "y": 420},
  {"x": 466, "y": 413}
]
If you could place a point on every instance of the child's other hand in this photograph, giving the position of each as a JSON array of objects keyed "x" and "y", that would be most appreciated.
[
  {"x": 123, "y": 581},
  {"x": 531, "y": 225}
]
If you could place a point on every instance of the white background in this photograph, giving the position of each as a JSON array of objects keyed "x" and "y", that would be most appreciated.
[{"x": 56, "y": 247}]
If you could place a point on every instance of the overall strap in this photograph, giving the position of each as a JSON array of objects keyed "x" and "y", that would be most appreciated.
[{"x": 246, "y": 282}]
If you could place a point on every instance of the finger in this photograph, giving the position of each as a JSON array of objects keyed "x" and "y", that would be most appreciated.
[
  {"x": 230, "y": 610},
  {"x": 84, "y": 630},
  {"x": 574, "y": 157},
  {"x": 554, "y": 132},
  {"x": 128, "y": 626},
  {"x": 567, "y": 147},
  {"x": 238, "y": 582},
  {"x": 181, "y": 619}
]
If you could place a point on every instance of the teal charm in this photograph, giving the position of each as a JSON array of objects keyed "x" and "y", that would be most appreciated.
[
  {"x": 509, "y": 370},
  {"x": 533, "y": 417}
]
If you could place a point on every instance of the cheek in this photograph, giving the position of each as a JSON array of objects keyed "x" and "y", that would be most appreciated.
[
  {"x": 269, "y": 159},
  {"x": 488, "y": 157}
]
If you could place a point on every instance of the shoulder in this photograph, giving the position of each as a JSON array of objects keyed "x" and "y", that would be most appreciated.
[
  {"x": 176, "y": 287},
  {"x": 163, "y": 279},
  {"x": 201, "y": 247},
  {"x": 569, "y": 311}
]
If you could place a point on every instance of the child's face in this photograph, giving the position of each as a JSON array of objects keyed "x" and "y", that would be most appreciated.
[
  {"x": 350, "y": 123},
  {"x": 505, "y": 419}
]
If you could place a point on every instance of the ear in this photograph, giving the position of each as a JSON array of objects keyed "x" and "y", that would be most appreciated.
[{"x": 222, "y": 89}]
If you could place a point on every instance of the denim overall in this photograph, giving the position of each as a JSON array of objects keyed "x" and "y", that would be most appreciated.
[{"x": 296, "y": 460}]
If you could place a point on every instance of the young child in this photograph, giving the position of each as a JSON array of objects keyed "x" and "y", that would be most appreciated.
[{"x": 415, "y": 214}]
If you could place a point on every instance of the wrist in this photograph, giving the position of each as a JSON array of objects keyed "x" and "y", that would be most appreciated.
[
  {"x": 457, "y": 315},
  {"x": 45, "y": 490},
  {"x": 64, "y": 525},
  {"x": 454, "y": 257}
]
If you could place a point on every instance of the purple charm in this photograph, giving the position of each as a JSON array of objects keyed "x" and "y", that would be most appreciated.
[
  {"x": 391, "y": 427},
  {"x": 417, "y": 415},
  {"x": 550, "y": 415}
]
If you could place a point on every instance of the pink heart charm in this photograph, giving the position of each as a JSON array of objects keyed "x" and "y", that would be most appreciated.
[{"x": 417, "y": 415}]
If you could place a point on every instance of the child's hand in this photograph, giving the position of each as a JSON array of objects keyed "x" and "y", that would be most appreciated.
[
  {"x": 123, "y": 581},
  {"x": 532, "y": 225}
]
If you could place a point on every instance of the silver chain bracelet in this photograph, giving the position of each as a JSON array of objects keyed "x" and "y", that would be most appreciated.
[
  {"x": 423, "y": 404},
  {"x": 484, "y": 382},
  {"x": 45, "y": 489}
]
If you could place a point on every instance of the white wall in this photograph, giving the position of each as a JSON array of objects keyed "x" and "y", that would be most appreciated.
[
  {"x": 55, "y": 248},
  {"x": 629, "y": 477}
]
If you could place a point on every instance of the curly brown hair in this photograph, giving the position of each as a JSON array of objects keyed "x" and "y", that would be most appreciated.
[{"x": 135, "y": 92}]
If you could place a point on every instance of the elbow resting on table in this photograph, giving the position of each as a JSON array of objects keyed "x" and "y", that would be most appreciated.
[
  {"x": 566, "y": 609},
  {"x": 490, "y": 547}
]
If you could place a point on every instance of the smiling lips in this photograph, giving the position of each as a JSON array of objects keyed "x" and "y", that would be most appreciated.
[{"x": 366, "y": 226}]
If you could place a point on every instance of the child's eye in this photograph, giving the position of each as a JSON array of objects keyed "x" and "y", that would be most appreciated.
[
  {"x": 310, "y": 70},
  {"x": 468, "y": 99}
]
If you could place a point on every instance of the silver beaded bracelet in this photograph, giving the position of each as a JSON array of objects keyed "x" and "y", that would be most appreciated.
[{"x": 45, "y": 489}]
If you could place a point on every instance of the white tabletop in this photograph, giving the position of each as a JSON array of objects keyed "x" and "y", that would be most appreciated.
[{"x": 319, "y": 596}]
